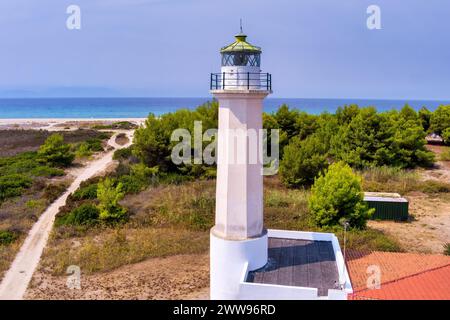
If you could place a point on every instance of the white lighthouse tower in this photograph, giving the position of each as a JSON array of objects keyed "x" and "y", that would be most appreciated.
[
  {"x": 238, "y": 236},
  {"x": 247, "y": 261}
]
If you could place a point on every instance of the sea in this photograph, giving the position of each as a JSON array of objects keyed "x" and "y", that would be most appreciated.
[{"x": 91, "y": 108}]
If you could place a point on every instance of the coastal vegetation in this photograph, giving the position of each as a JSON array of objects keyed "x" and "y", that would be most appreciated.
[
  {"x": 337, "y": 198},
  {"x": 167, "y": 219},
  {"x": 147, "y": 206},
  {"x": 355, "y": 150},
  {"x": 440, "y": 120},
  {"x": 118, "y": 125},
  {"x": 55, "y": 152},
  {"x": 32, "y": 176}
]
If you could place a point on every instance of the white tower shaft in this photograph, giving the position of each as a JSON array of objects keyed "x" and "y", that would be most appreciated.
[{"x": 239, "y": 191}]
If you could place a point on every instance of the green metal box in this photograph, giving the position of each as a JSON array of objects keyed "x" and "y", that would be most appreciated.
[{"x": 388, "y": 206}]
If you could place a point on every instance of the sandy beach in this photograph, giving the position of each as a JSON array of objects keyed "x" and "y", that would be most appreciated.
[{"x": 62, "y": 123}]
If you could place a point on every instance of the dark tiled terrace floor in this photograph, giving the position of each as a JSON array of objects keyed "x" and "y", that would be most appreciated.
[{"x": 299, "y": 263}]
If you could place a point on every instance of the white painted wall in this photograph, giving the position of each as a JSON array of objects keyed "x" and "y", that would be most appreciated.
[
  {"x": 236, "y": 77},
  {"x": 239, "y": 187},
  {"x": 231, "y": 261},
  {"x": 228, "y": 259}
]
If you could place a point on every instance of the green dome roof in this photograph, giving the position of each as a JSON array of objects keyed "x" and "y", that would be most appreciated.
[{"x": 240, "y": 45}]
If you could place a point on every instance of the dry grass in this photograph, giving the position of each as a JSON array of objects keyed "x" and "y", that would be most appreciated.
[
  {"x": 107, "y": 249},
  {"x": 190, "y": 206},
  {"x": 19, "y": 215},
  {"x": 175, "y": 219},
  {"x": 445, "y": 155},
  {"x": 7, "y": 254},
  {"x": 387, "y": 179},
  {"x": 13, "y": 142}
]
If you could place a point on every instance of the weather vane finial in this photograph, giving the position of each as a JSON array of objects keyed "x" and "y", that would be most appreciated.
[{"x": 241, "y": 25}]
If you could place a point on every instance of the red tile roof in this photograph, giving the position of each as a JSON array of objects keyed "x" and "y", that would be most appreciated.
[{"x": 404, "y": 276}]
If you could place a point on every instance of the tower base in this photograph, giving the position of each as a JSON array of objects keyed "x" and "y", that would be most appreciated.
[{"x": 228, "y": 259}]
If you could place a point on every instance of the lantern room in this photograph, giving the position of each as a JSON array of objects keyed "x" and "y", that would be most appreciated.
[
  {"x": 241, "y": 67},
  {"x": 241, "y": 53}
]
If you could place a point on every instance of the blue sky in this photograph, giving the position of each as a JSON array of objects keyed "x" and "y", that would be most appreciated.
[{"x": 313, "y": 48}]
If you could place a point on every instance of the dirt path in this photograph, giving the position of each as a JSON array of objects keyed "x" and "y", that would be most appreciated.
[
  {"x": 429, "y": 230},
  {"x": 17, "y": 278}
]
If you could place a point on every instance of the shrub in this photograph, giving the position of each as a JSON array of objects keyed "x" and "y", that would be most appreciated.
[
  {"x": 124, "y": 125},
  {"x": 440, "y": 119},
  {"x": 55, "y": 152},
  {"x": 53, "y": 191},
  {"x": 123, "y": 154},
  {"x": 138, "y": 177},
  {"x": 12, "y": 185},
  {"x": 85, "y": 215},
  {"x": 425, "y": 116},
  {"x": 376, "y": 139},
  {"x": 447, "y": 249},
  {"x": 94, "y": 144},
  {"x": 303, "y": 160},
  {"x": 152, "y": 142},
  {"x": 446, "y": 136},
  {"x": 109, "y": 197},
  {"x": 46, "y": 171},
  {"x": 86, "y": 148},
  {"x": 33, "y": 204},
  {"x": 83, "y": 150},
  {"x": 86, "y": 192},
  {"x": 7, "y": 237},
  {"x": 338, "y": 195}
]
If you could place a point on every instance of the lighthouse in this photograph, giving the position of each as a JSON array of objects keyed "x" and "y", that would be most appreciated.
[
  {"x": 238, "y": 235},
  {"x": 248, "y": 261}
]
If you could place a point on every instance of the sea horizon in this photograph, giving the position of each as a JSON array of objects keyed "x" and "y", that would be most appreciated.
[{"x": 140, "y": 107}]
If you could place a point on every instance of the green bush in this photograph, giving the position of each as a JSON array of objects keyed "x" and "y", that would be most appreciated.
[
  {"x": 153, "y": 145},
  {"x": 55, "y": 152},
  {"x": 124, "y": 125},
  {"x": 85, "y": 215},
  {"x": 94, "y": 144},
  {"x": 7, "y": 237},
  {"x": 377, "y": 139},
  {"x": 46, "y": 171},
  {"x": 425, "y": 117},
  {"x": 86, "y": 148},
  {"x": 440, "y": 119},
  {"x": 123, "y": 154},
  {"x": 86, "y": 192},
  {"x": 83, "y": 151},
  {"x": 12, "y": 185},
  {"x": 131, "y": 184},
  {"x": 109, "y": 197},
  {"x": 303, "y": 160},
  {"x": 338, "y": 195},
  {"x": 446, "y": 136}
]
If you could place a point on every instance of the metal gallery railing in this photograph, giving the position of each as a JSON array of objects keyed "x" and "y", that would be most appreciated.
[{"x": 241, "y": 80}]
